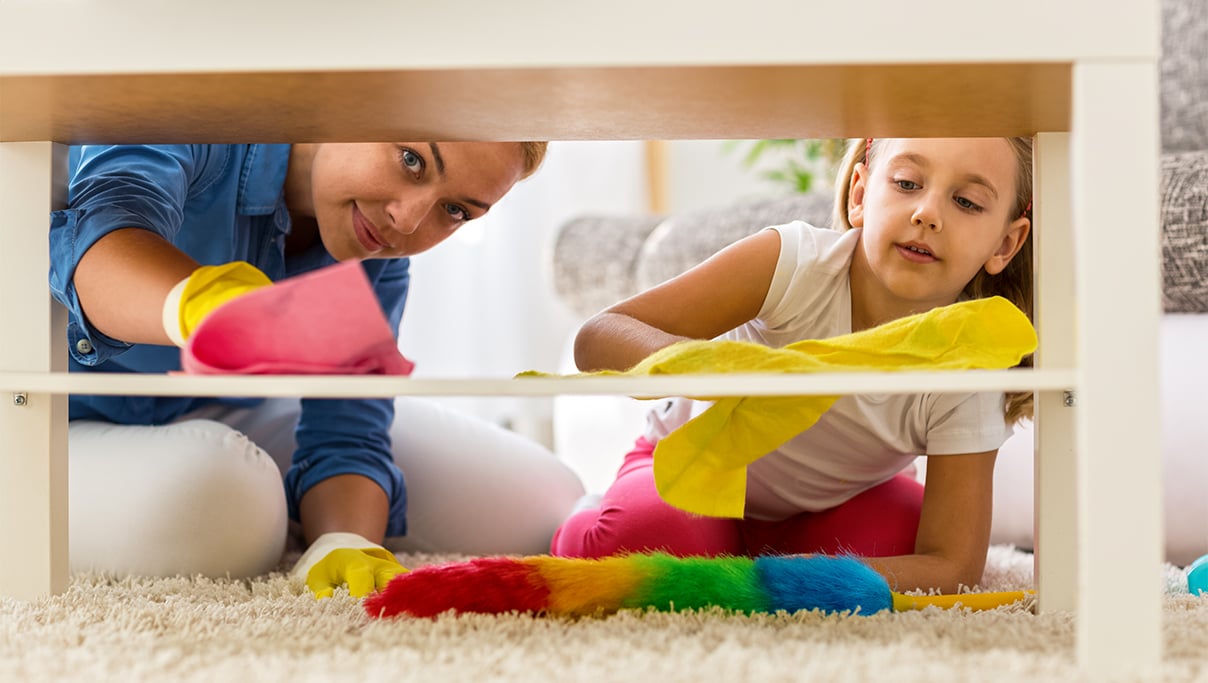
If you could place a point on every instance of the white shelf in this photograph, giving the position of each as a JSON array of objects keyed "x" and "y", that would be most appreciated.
[
  {"x": 144, "y": 71},
  {"x": 663, "y": 385}
]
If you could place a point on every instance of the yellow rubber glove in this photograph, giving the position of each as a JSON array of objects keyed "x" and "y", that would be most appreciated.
[
  {"x": 207, "y": 288},
  {"x": 341, "y": 558},
  {"x": 701, "y": 466}
]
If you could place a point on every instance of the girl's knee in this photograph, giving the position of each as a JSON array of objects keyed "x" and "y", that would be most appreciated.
[
  {"x": 195, "y": 497},
  {"x": 612, "y": 530}
]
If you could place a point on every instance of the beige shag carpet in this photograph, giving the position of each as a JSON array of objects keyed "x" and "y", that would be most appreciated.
[{"x": 269, "y": 629}]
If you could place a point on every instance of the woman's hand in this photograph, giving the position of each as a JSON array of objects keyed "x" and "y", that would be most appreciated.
[
  {"x": 346, "y": 559},
  {"x": 207, "y": 288}
]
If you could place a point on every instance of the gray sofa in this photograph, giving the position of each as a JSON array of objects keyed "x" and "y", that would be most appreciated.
[{"x": 600, "y": 259}]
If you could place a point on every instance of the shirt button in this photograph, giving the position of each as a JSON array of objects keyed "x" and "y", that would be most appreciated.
[{"x": 84, "y": 347}]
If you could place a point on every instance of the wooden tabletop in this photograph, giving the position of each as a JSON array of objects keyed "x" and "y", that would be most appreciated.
[{"x": 274, "y": 71}]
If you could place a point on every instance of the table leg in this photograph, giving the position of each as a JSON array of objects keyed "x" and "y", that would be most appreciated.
[
  {"x": 1114, "y": 159},
  {"x": 33, "y": 452},
  {"x": 1056, "y": 521}
]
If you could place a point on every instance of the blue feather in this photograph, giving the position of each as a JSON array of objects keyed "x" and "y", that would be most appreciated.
[{"x": 824, "y": 582}]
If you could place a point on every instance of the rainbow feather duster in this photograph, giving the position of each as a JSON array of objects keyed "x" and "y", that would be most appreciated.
[{"x": 580, "y": 587}]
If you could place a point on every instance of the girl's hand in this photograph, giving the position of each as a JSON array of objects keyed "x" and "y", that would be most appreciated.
[
  {"x": 718, "y": 295},
  {"x": 954, "y": 530}
]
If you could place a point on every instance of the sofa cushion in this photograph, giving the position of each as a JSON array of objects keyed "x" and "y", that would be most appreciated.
[
  {"x": 1184, "y": 221},
  {"x": 594, "y": 258},
  {"x": 1183, "y": 77},
  {"x": 685, "y": 239},
  {"x": 598, "y": 260}
]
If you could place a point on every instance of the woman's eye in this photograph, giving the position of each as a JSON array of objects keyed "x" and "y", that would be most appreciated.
[
  {"x": 458, "y": 213},
  {"x": 410, "y": 161}
]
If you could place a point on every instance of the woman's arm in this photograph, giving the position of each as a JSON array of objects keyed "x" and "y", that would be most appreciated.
[
  {"x": 122, "y": 281},
  {"x": 346, "y": 502},
  {"x": 954, "y": 530},
  {"x": 718, "y": 295}
]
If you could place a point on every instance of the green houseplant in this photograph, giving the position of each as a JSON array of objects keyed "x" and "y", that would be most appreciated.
[{"x": 792, "y": 165}]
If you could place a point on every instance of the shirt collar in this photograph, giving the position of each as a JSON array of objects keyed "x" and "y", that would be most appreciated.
[{"x": 262, "y": 179}]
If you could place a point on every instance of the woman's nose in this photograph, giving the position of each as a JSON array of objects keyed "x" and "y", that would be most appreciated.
[{"x": 406, "y": 214}]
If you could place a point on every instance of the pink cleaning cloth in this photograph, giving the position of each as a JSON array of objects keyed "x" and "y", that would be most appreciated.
[{"x": 324, "y": 322}]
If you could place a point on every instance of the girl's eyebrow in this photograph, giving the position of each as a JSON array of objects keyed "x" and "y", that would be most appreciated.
[{"x": 922, "y": 162}]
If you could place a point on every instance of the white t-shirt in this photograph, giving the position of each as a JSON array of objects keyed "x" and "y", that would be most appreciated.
[{"x": 862, "y": 440}]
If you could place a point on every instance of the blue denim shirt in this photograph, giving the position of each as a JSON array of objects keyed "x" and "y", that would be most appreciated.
[{"x": 217, "y": 203}]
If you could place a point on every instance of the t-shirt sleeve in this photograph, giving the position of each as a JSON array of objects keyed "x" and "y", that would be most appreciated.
[
  {"x": 812, "y": 262},
  {"x": 797, "y": 253},
  {"x": 966, "y": 423}
]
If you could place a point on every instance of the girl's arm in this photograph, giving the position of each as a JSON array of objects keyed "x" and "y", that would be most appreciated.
[
  {"x": 718, "y": 295},
  {"x": 122, "y": 281},
  {"x": 954, "y": 530}
]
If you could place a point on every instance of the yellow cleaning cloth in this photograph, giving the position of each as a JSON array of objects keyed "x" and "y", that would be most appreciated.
[{"x": 701, "y": 467}]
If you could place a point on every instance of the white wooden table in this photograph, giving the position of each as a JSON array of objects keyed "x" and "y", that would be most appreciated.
[{"x": 1079, "y": 75}]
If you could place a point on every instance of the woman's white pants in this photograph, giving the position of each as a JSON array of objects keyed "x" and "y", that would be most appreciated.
[{"x": 204, "y": 495}]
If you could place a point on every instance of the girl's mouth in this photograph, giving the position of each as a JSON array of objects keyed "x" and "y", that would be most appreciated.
[{"x": 916, "y": 253}]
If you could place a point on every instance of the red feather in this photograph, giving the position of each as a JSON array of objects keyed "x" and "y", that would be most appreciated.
[{"x": 491, "y": 585}]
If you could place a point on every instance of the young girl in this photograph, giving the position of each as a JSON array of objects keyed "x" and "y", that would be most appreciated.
[
  {"x": 923, "y": 223},
  {"x": 183, "y": 485}
]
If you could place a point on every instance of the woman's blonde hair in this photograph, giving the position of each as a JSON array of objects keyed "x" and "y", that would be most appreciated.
[
  {"x": 534, "y": 154},
  {"x": 1014, "y": 283}
]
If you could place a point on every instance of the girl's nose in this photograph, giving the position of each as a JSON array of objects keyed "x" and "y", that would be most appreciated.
[{"x": 926, "y": 215}]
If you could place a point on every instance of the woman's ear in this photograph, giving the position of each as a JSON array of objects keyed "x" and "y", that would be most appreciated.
[
  {"x": 855, "y": 195},
  {"x": 1012, "y": 242}
]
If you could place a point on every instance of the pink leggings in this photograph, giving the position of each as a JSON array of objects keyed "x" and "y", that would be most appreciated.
[{"x": 879, "y": 522}]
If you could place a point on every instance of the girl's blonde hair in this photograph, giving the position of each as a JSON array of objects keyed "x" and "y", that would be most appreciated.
[
  {"x": 534, "y": 154},
  {"x": 1014, "y": 283}
]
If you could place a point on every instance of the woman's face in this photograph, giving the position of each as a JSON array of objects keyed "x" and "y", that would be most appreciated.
[{"x": 386, "y": 200}]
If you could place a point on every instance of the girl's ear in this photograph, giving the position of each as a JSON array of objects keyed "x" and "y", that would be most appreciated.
[
  {"x": 1010, "y": 245},
  {"x": 855, "y": 195}
]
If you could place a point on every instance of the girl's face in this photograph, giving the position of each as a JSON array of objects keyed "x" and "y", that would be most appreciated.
[
  {"x": 934, "y": 213},
  {"x": 386, "y": 200}
]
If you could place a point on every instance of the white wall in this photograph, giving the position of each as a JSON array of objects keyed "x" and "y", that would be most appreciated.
[
  {"x": 481, "y": 305},
  {"x": 704, "y": 173}
]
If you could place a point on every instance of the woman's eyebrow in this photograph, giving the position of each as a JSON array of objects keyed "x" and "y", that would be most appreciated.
[{"x": 440, "y": 161}]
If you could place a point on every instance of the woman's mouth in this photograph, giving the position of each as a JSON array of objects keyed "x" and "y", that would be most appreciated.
[{"x": 366, "y": 232}]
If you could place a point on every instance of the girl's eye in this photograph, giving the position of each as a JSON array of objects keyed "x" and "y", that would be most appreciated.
[
  {"x": 967, "y": 205},
  {"x": 907, "y": 184},
  {"x": 410, "y": 161},
  {"x": 457, "y": 213}
]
